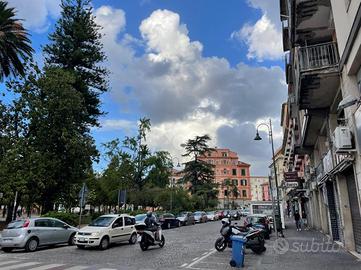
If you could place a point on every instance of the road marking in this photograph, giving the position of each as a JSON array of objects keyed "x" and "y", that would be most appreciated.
[
  {"x": 196, "y": 258},
  {"x": 201, "y": 259},
  {"x": 204, "y": 253},
  {"x": 7, "y": 262},
  {"x": 21, "y": 265},
  {"x": 77, "y": 267},
  {"x": 45, "y": 267}
]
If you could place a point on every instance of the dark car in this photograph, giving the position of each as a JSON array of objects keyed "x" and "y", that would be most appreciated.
[
  {"x": 186, "y": 218},
  {"x": 141, "y": 218},
  {"x": 200, "y": 217},
  {"x": 168, "y": 221},
  {"x": 261, "y": 221}
]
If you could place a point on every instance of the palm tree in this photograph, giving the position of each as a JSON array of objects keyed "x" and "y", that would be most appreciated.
[{"x": 14, "y": 43}]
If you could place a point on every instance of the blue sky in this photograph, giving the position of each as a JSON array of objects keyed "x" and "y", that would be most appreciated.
[{"x": 191, "y": 66}]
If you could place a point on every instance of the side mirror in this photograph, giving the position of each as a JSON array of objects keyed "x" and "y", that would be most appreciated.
[
  {"x": 115, "y": 225},
  {"x": 66, "y": 226}
]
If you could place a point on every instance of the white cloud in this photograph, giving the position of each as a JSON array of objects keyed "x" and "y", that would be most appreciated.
[
  {"x": 264, "y": 38},
  {"x": 184, "y": 93},
  {"x": 117, "y": 124},
  {"x": 167, "y": 38},
  {"x": 36, "y": 13}
]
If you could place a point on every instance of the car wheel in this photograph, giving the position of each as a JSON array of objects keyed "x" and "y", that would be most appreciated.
[
  {"x": 162, "y": 242},
  {"x": 104, "y": 243},
  {"x": 32, "y": 244},
  {"x": 178, "y": 224},
  {"x": 133, "y": 239},
  {"x": 71, "y": 241},
  {"x": 80, "y": 246},
  {"x": 7, "y": 249}
]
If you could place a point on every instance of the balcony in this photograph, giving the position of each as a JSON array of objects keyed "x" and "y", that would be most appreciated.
[
  {"x": 318, "y": 57},
  {"x": 316, "y": 75}
]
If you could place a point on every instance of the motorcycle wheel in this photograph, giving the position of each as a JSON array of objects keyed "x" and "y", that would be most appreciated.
[
  {"x": 143, "y": 245},
  {"x": 162, "y": 242},
  {"x": 220, "y": 244}
]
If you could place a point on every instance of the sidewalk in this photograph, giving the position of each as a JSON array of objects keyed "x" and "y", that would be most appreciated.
[{"x": 304, "y": 250}]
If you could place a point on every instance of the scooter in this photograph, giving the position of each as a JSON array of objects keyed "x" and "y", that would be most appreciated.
[
  {"x": 149, "y": 238},
  {"x": 254, "y": 238}
]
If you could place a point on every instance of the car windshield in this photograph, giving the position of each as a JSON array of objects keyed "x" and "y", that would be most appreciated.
[
  {"x": 140, "y": 217},
  {"x": 17, "y": 224},
  {"x": 102, "y": 222},
  {"x": 198, "y": 213},
  {"x": 182, "y": 214},
  {"x": 210, "y": 213}
]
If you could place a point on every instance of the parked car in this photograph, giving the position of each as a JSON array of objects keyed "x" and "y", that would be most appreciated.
[
  {"x": 168, "y": 221},
  {"x": 200, "y": 217},
  {"x": 220, "y": 214},
  {"x": 259, "y": 219},
  {"x": 106, "y": 230},
  {"x": 212, "y": 216},
  {"x": 34, "y": 232},
  {"x": 245, "y": 212},
  {"x": 141, "y": 217},
  {"x": 186, "y": 218}
]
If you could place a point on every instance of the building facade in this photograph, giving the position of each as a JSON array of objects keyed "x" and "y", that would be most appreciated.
[
  {"x": 232, "y": 177},
  {"x": 259, "y": 184},
  {"x": 322, "y": 41}
]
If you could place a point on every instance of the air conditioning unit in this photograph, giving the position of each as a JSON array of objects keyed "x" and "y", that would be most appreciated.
[{"x": 342, "y": 138}]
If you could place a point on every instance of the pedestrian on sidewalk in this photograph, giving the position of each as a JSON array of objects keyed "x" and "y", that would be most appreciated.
[
  {"x": 297, "y": 220},
  {"x": 304, "y": 220}
]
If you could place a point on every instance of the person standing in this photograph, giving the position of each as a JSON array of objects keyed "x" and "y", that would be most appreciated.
[{"x": 297, "y": 220}]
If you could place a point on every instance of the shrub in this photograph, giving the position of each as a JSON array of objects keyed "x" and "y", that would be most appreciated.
[{"x": 69, "y": 218}]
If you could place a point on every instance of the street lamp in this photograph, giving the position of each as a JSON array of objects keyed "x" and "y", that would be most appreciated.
[{"x": 258, "y": 138}]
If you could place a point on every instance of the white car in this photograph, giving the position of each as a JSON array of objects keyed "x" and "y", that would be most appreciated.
[
  {"x": 211, "y": 215},
  {"x": 105, "y": 230}
]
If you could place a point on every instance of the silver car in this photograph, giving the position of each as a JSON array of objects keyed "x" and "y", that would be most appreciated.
[{"x": 34, "y": 232}]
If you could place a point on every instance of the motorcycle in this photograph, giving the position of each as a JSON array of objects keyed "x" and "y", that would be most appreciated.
[
  {"x": 149, "y": 238},
  {"x": 254, "y": 238}
]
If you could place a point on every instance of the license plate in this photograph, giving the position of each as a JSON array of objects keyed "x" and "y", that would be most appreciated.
[{"x": 7, "y": 240}]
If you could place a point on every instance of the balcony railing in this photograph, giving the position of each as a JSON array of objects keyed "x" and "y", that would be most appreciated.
[{"x": 318, "y": 56}]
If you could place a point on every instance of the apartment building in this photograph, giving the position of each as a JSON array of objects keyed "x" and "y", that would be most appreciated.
[
  {"x": 322, "y": 41},
  {"x": 232, "y": 176},
  {"x": 259, "y": 184}
]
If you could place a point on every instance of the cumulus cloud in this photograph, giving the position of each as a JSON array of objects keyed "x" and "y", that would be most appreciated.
[
  {"x": 117, "y": 124},
  {"x": 263, "y": 38},
  {"x": 184, "y": 93},
  {"x": 36, "y": 13}
]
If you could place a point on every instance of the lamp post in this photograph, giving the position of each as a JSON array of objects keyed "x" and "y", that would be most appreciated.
[
  {"x": 258, "y": 138},
  {"x": 172, "y": 182}
]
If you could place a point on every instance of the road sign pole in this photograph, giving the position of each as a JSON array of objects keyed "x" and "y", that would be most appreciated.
[{"x": 81, "y": 203}]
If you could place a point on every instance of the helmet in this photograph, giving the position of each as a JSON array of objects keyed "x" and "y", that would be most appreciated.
[{"x": 149, "y": 214}]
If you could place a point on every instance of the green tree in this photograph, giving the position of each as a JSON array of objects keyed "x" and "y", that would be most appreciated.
[
  {"x": 14, "y": 43},
  {"x": 199, "y": 173},
  {"x": 76, "y": 46},
  {"x": 160, "y": 168}
]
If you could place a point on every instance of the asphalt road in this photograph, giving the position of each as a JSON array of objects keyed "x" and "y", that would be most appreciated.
[{"x": 186, "y": 247}]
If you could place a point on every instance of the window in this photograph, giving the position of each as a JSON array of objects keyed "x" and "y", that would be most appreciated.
[
  {"x": 56, "y": 223},
  {"x": 235, "y": 182},
  {"x": 224, "y": 171},
  {"x": 128, "y": 221},
  {"x": 244, "y": 193},
  {"x": 234, "y": 172},
  {"x": 243, "y": 182},
  {"x": 42, "y": 223},
  {"x": 118, "y": 223},
  {"x": 225, "y": 193},
  {"x": 224, "y": 154},
  {"x": 243, "y": 172}
]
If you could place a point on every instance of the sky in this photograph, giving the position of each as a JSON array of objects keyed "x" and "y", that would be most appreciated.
[{"x": 193, "y": 67}]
